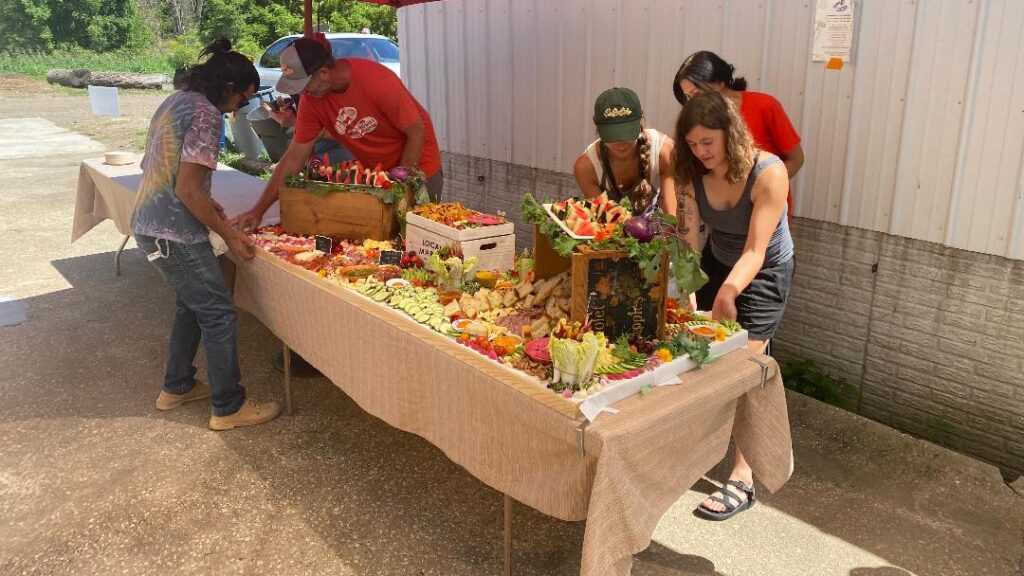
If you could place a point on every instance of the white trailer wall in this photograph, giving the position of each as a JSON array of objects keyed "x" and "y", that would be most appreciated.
[{"x": 921, "y": 136}]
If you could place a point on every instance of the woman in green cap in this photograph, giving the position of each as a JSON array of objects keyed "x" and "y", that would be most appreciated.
[{"x": 628, "y": 160}]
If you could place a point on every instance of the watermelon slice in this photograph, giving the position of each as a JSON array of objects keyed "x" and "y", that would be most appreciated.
[
  {"x": 581, "y": 212},
  {"x": 570, "y": 220},
  {"x": 584, "y": 228},
  {"x": 615, "y": 213}
]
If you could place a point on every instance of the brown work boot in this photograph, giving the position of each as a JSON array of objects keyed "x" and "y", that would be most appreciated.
[
  {"x": 168, "y": 401},
  {"x": 250, "y": 414}
]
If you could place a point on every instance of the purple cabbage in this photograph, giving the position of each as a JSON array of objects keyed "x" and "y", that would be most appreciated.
[
  {"x": 399, "y": 173},
  {"x": 643, "y": 228}
]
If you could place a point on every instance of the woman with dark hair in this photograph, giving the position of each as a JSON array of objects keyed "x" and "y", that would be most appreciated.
[
  {"x": 627, "y": 160},
  {"x": 172, "y": 220},
  {"x": 765, "y": 118},
  {"x": 740, "y": 192}
]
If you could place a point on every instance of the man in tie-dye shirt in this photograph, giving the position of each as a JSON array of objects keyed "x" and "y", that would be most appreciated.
[{"x": 173, "y": 217}]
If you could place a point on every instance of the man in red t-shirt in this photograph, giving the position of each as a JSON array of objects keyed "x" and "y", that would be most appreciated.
[{"x": 361, "y": 104}]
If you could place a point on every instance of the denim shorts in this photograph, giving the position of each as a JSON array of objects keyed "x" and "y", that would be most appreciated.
[{"x": 759, "y": 308}]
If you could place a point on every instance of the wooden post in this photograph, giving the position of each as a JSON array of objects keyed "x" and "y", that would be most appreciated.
[
  {"x": 307, "y": 13},
  {"x": 288, "y": 379}
]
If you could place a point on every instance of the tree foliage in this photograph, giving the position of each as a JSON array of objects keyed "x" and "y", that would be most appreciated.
[
  {"x": 181, "y": 26},
  {"x": 96, "y": 25}
]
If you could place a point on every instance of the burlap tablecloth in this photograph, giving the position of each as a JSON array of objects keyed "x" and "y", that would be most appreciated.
[
  {"x": 515, "y": 436},
  {"x": 106, "y": 191}
]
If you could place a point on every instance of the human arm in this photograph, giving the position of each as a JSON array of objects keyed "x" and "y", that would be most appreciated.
[
  {"x": 192, "y": 188},
  {"x": 586, "y": 177},
  {"x": 794, "y": 160},
  {"x": 292, "y": 161},
  {"x": 784, "y": 136},
  {"x": 668, "y": 178},
  {"x": 769, "y": 199},
  {"x": 284, "y": 115},
  {"x": 415, "y": 137}
]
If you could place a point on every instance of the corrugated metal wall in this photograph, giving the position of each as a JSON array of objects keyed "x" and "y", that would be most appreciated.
[{"x": 922, "y": 135}]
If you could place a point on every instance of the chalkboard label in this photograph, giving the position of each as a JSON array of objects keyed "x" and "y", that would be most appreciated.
[
  {"x": 392, "y": 257},
  {"x": 619, "y": 301},
  {"x": 324, "y": 244}
]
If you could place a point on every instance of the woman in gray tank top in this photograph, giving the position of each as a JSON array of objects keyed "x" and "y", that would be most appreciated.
[{"x": 740, "y": 192}]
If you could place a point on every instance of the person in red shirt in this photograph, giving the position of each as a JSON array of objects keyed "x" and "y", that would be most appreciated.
[
  {"x": 767, "y": 121},
  {"x": 361, "y": 104}
]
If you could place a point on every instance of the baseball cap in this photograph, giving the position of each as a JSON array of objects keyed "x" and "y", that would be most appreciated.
[
  {"x": 299, "y": 62},
  {"x": 617, "y": 114}
]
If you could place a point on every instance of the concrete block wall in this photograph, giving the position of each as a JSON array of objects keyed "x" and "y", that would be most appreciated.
[
  {"x": 492, "y": 186},
  {"x": 930, "y": 338}
]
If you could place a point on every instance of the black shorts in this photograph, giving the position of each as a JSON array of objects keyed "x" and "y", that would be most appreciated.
[{"x": 759, "y": 308}]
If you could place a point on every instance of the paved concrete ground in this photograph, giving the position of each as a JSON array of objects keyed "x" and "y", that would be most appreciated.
[{"x": 93, "y": 480}]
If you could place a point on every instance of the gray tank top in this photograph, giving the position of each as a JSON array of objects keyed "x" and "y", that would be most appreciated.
[{"x": 729, "y": 228}]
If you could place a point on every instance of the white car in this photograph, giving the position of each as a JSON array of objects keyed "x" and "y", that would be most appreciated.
[{"x": 345, "y": 45}]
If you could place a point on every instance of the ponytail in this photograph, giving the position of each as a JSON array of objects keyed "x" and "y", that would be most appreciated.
[
  {"x": 222, "y": 67},
  {"x": 704, "y": 69}
]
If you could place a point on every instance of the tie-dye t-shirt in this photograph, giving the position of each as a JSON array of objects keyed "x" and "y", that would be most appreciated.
[{"x": 185, "y": 128}]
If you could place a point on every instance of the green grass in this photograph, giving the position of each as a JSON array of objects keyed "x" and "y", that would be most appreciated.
[
  {"x": 37, "y": 64},
  {"x": 807, "y": 378}
]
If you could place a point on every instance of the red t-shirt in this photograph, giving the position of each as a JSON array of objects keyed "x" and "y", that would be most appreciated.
[
  {"x": 368, "y": 118},
  {"x": 770, "y": 127}
]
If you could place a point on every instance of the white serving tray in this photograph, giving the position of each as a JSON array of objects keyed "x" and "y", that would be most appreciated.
[
  {"x": 557, "y": 220},
  {"x": 664, "y": 375}
]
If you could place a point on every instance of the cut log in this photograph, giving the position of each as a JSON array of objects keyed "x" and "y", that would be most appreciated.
[
  {"x": 80, "y": 78},
  {"x": 77, "y": 78},
  {"x": 129, "y": 80}
]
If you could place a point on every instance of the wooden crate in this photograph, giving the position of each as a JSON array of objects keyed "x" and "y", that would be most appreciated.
[
  {"x": 546, "y": 262},
  {"x": 494, "y": 246},
  {"x": 602, "y": 272},
  {"x": 352, "y": 215}
]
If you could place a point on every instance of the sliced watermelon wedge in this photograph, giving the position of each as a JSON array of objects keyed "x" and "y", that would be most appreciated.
[{"x": 584, "y": 228}]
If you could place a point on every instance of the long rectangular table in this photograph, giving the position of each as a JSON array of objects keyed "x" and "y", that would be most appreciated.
[
  {"x": 108, "y": 192},
  {"x": 620, "y": 473}
]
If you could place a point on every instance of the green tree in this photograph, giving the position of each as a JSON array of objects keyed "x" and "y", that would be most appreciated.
[
  {"x": 353, "y": 16},
  {"x": 25, "y": 25},
  {"x": 98, "y": 25}
]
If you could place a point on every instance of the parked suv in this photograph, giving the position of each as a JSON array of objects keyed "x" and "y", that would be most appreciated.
[{"x": 370, "y": 46}]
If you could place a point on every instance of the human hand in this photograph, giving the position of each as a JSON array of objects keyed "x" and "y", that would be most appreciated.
[
  {"x": 725, "y": 305},
  {"x": 241, "y": 245},
  {"x": 692, "y": 302},
  {"x": 285, "y": 113},
  {"x": 247, "y": 221}
]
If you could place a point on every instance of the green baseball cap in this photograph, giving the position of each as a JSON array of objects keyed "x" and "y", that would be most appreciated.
[{"x": 617, "y": 114}]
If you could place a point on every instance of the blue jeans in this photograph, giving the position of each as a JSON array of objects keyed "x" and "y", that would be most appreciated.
[{"x": 204, "y": 311}]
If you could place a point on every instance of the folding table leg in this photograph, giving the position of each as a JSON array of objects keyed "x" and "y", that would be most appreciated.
[
  {"x": 117, "y": 256},
  {"x": 508, "y": 535},
  {"x": 287, "y": 379}
]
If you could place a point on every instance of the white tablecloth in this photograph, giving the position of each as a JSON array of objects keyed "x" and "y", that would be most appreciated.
[{"x": 108, "y": 192}]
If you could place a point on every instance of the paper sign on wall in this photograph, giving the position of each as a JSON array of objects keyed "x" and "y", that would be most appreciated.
[{"x": 833, "y": 30}]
